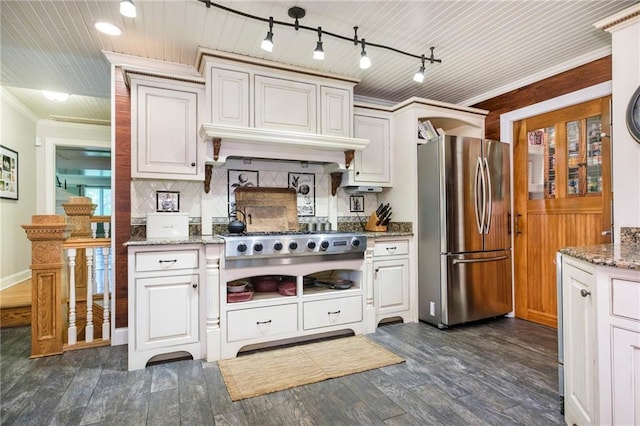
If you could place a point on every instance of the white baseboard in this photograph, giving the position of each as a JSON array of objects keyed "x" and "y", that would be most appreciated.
[
  {"x": 120, "y": 336},
  {"x": 11, "y": 280}
]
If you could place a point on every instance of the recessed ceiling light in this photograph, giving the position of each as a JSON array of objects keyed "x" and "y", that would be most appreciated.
[
  {"x": 55, "y": 96},
  {"x": 107, "y": 28}
]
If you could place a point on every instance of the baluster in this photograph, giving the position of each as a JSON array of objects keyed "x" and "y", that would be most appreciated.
[
  {"x": 106, "y": 229},
  {"x": 94, "y": 229},
  {"x": 88, "y": 330},
  {"x": 106, "y": 326},
  {"x": 72, "y": 332}
]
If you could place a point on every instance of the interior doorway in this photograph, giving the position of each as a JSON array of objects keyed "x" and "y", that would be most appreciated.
[{"x": 562, "y": 197}]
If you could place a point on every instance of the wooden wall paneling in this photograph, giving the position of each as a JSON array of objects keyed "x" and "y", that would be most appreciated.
[
  {"x": 598, "y": 71},
  {"x": 520, "y": 222},
  {"x": 122, "y": 208}
]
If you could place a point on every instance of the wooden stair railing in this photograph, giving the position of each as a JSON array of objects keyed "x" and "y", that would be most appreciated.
[{"x": 54, "y": 281}]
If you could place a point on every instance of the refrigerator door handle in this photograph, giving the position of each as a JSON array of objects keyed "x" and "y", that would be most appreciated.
[
  {"x": 488, "y": 197},
  {"x": 479, "y": 177},
  {"x": 484, "y": 259}
]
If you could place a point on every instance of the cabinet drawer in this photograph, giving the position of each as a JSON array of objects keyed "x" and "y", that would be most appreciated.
[
  {"x": 323, "y": 313},
  {"x": 166, "y": 260},
  {"x": 261, "y": 322},
  {"x": 391, "y": 248},
  {"x": 625, "y": 298}
]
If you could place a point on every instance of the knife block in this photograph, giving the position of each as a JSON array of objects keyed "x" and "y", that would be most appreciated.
[{"x": 371, "y": 224}]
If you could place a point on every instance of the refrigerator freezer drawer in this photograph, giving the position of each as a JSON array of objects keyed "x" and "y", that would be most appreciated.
[{"x": 478, "y": 286}]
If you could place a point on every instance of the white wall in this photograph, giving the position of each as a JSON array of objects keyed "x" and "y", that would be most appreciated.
[
  {"x": 18, "y": 132},
  {"x": 626, "y": 152}
]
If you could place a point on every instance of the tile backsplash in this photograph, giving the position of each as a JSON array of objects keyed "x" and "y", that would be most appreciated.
[{"x": 271, "y": 174}]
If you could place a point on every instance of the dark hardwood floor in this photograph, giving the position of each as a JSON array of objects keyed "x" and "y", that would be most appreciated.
[{"x": 501, "y": 372}]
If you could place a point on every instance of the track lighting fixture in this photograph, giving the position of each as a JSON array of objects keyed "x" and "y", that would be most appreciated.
[
  {"x": 267, "y": 43},
  {"x": 319, "y": 52},
  {"x": 365, "y": 62},
  {"x": 127, "y": 8},
  {"x": 298, "y": 13},
  {"x": 419, "y": 75}
]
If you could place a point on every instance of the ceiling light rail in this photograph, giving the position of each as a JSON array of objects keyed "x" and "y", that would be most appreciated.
[{"x": 297, "y": 13}]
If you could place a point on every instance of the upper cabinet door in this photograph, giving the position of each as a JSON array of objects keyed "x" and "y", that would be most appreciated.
[
  {"x": 335, "y": 118},
  {"x": 228, "y": 97},
  {"x": 164, "y": 131},
  {"x": 285, "y": 105},
  {"x": 372, "y": 166}
]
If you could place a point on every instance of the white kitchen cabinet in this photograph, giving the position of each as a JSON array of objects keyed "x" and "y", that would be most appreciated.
[
  {"x": 285, "y": 104},
  {"x": 164, "y": 129},
  {"x": 391, "y": 279},
  {"x": 164, "y": 302},
  {"x": 371, "y": 166},
  {"x": 335, "y": 111},
  {"x": 579, "y": 336},
  {"x": 228, "y": 97},
  {"x": 601, "y": 341},
  {"x": 273, "y": 96},
  {"x": 269, "y": 317}
]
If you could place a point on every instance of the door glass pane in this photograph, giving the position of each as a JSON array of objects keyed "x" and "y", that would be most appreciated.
[
  {"x": 594, "y": 155},
  {"x": 541, "y": 169},
  {"x": 573, "y": 157}
]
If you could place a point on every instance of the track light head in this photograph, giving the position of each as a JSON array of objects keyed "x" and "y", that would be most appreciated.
[
  {"x": 127, "y": 8},
  {"x": 267, "y": 43},
  {"x": 319, "y": 52},
  {"x": 365, "y": 62},
  {"x": 419, "y": 75}
]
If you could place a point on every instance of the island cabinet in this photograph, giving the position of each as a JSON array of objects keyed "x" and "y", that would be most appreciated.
[
  {"x": 164, "y": 128},
  {"x": 372, "y": 165},
  {"x": 164, "y": 302},
  {"x": 601, "y": 342},
  {"x": 262, "y": 95},
  {"x": 391, "y": 282}
]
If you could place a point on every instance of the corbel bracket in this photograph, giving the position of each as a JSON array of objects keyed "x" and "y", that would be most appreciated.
[
  {"x": 217, "y": 143},
  {"x": 208, "y": 171},
  {"x": 348, "y": 157},
  {"x": 336, "y": 178}
]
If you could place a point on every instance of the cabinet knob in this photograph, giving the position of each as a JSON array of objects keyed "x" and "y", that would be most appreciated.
[
  {"x": 584, "y": 293},
  {"x": 193, "y": 164},
  {"x": 194, "y": 285},
  {"x": 357, "y": 173}
]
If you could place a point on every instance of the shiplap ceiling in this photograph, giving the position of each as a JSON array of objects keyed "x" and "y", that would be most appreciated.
[{"x": 487, "y": 47}]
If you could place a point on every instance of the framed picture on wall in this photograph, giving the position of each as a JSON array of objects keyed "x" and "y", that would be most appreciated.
[
  {"x": 236, "y": 179},
  {"x": 305, "y": 186},
  {"x": 167, "y": 201},
  {"x": 356, "y": 203},
  {"x": 9, "y": 176}
]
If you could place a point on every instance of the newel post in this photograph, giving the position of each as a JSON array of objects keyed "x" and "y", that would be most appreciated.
[{"x": 46, "y": 233}]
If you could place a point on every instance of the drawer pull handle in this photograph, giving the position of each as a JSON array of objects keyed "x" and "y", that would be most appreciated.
[
  {"x": 333, "y": 313},
  {"x": 168, "y": 261},
  {"x": 263, "y": 322},
  {"x": 584, "y": 293},
  {"x": 391, "y": 248}
]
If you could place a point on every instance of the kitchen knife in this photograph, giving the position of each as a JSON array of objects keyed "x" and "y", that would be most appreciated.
[
  {"x": 384, "y": 211},
  {"x": 386, "y": 220},
  {"x": 379, "y": 209}
]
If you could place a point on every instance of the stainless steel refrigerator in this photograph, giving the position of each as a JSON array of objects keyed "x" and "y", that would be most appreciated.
[{"x": 464, "y": 241}]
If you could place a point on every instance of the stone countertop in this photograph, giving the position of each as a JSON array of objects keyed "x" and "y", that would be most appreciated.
[
  {"x": 625, "y": 255},
  {"x": 374, "y": 235},
  {"x": 194, "y": 239}
]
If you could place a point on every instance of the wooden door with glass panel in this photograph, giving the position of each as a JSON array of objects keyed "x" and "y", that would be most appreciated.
[{"x": 562, "y": 197}]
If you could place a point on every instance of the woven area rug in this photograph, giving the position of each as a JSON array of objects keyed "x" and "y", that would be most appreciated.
[{"x": 270, "y": 371}]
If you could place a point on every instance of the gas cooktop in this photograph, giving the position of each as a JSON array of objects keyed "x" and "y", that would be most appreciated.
[{"x": 288, "y": 244}]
